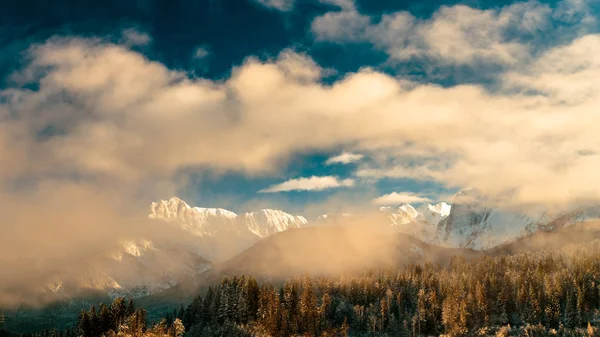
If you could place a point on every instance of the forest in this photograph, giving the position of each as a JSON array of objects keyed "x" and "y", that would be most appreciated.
[{"x": 544, "y": 293}]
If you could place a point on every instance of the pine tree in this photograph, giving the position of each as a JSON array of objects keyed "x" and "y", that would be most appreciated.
[
  {"x": 85, "y": 324},
  {"x": 178, "y": 328}
]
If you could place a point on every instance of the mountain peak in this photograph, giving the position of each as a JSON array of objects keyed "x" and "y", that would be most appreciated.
[
  {"x": 215, "y": 225},
  {"x": 441, "y": 208},
  {"x": 408, "y": 209},
  {"x": 270, "y": 221}
]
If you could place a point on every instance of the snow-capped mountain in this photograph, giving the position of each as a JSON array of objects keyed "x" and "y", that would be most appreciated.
[
  {"x": 194, "y": 236},
  {"x": 419, "y": 222},
  {"x": 134, "y": 268},
  {"x": 219, "y": 233},
  {"x": 269, "y": 221},
  {"x": 198, "y": 221},
  {"x": 471, "y": 223}
]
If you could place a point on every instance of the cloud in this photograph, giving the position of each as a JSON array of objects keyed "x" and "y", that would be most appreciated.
[
  {"x": 119, "y": 116},
  {"x": 396, "y": 198},
  {"x": 135, "y": 37},
  {"x": 458, "y": 35},
  {"x": 201, "y": 52},
  {"x": 344, "y": 158},
  {"x": 309, "y": 184},
  {"x": 342, "y": 26},
  {"x": 281, "y": 5}
]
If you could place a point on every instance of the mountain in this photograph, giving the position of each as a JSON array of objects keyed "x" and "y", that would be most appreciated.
[
  {"x": 419, "y": 222},
  {"x": 560, "y": 239},
  {"x": 331, "y": 250},
  {"x": 268, "y": 222},
  {"x": 193, "y": 240},
  {"x": 219, "y": 234},
  {"x": 473, "y": 223},
  {"x": 134, "y": 268}
]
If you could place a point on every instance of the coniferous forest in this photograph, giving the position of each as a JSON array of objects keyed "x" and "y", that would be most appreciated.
[{"x": 528, "y": 294}]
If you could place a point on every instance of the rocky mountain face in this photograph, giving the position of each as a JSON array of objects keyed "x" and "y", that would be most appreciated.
[
  {"x": 474, "y": 224},
  {"x": 419, "y": 222}
]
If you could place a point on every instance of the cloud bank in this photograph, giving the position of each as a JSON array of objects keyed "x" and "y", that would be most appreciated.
[{"x": 103, "y": 111}]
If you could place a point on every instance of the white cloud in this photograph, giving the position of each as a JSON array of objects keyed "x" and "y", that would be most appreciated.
[
  {"x": 313, "y": 183},
  {"x": 135, "y": 37},
  {"x": 342, "y": 26},
  {"x": 122, "y": 117},
  {"x": 344, "y": 158},
  {"x": 453, "y": 34},
  {"x": 281, "y": 5},
  {"x": 396, "y": 198}
]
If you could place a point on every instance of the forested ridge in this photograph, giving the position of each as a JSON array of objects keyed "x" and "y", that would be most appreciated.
[{"x": 528, "y": 294}]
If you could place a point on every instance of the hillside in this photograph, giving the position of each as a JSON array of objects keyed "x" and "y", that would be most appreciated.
[{"x": 331, "y": 250}]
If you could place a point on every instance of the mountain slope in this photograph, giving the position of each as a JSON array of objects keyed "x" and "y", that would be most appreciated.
[
  {"x": 556, "y": 240},
  {"x": 332, "y": 250},
  {"x": 134, "y": 269},
  {"x": 471, "y": 223}
]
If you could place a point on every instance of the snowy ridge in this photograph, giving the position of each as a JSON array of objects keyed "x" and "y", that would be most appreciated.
[
  {"x": 139, "y": 267},
  {"x": 199, "y": 221},
  {"x": 213, "y": 221},
  {"x": 472, "y": 223},
  {"x": 135, "y": 268},
  {"x": 268, "y": 222},
  {"x": 419, "y": 222}
]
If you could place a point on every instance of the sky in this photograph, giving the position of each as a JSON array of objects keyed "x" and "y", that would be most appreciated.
[{"x": 310, "y": 106}]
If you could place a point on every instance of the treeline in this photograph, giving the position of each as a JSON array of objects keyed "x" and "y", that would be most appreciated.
[
  {"x": 527, "y": 294},
  {"x": 532, "y": 294},
  {"x": 123, "y": 319}
]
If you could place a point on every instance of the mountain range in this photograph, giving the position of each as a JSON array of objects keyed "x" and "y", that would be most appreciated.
[{"x": 220, "y": 240}]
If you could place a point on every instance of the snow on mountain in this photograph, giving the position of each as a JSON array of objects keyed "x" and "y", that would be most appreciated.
[
  {"x": 469, "y": 226},
  {"x": 407, "y": 209},
  {"x": 198, "y": 221},
  {"x": 268, "y": 222},
  {"x": 420, "y": 222},
  {"x": 140, "y": 266},
  {"x": 433, "y": 214},
  {"x": 220, "y": 234},
  {"x": 134, "y": 268},
  {"x": 472, "y": 223}
]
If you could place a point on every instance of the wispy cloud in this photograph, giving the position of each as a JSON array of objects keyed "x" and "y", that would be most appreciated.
[
  {"x": 281, "y": 5},
  {"x": 201, "y": 52},
  {"x": 313, "y": 183},
  {"x": 135, "y": 37},
  {"x": 396, "y": 198},
  {"x": 344, "y": 158}
]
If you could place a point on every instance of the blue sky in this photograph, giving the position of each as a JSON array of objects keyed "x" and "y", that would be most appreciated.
[{"x": 429, "y": 96}]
